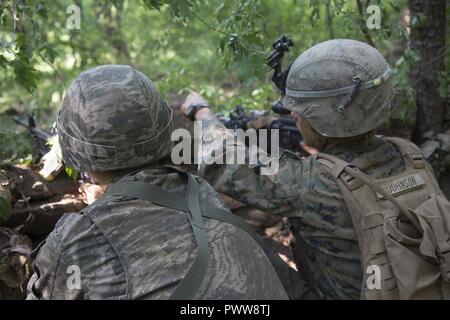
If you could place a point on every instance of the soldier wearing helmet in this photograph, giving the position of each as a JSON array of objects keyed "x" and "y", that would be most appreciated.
[
  {"x": 149, "y": 236},
  {"x": 339, "y": 92},
  {"x": 341, "y": 87}
]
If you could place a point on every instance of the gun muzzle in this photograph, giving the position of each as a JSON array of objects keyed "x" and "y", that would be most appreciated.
[{"x": 278, "y": 108}]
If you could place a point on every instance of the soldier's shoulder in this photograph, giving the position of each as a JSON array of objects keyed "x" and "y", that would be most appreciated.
[
  {"x": 65, "y": 232},
  {"x": 314, "y": 171},
  {"x": 70, "y": 225},
  {"x": 401, "y": 144},
  {"x": 316, "y": 184}
]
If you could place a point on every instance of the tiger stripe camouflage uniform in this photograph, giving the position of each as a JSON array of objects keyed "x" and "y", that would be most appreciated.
[
  {"x": 150, "y": 252},
  {"x": 113, "y": 118}
]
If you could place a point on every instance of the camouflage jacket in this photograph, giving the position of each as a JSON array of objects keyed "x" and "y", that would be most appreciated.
[
  {"x": 303, "y": 190},
  {"x": 125, "y": 248}
]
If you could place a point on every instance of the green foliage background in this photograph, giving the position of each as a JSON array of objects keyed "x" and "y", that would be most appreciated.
[{"x": 213, "y": 46}]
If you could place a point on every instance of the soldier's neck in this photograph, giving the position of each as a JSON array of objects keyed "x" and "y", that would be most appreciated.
[
  {"x": 336, "y": 145},
  {"x": 102, "y": 178}
]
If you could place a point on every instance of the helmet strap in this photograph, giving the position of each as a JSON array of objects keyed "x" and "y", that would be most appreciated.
[
  {"x": 320, "y": 142},
  {"x": 343, "y": 107}
]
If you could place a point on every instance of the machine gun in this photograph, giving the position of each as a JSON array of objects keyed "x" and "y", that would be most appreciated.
[
  {"x": 51, "y": 158},
  {"x": 290, "y": 137}
]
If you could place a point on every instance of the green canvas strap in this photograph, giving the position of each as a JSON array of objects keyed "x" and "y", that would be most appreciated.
[
  {"x": 146, "y": 191},
  {"x": 149, "y": 192},
  {"x": 189, "y": 285}
]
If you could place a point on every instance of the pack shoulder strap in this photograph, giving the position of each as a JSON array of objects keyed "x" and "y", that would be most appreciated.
[
  {"x": 367, "y": 217},
  {"x": 188, "y": 286},
  {"x": 159, "y": 196},
  {"x": 414, "y": 160},
  {"x": 410, "y": 152},
  {"x": 352, "y": 178}
]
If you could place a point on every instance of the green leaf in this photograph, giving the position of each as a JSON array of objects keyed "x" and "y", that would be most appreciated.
[
  {"x": 41, "y": 10},
  {"x": 48, "y": 52},
  {"x": 153, "y": 4},
  {"x": 26, "y": 161},
  {"x": 3, "y": 62},
  {"x": 25, "y": 74},
  {"x": 5, "y": 208},
  {"x": 394, "y": 6},
  {"x": 315, "y": 15},
  {"x": 181, "y": 9},
  {"x": 72, "y": 173}
]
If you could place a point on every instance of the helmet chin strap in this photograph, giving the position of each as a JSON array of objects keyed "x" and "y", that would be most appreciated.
[{"x": 320, "y": 141}]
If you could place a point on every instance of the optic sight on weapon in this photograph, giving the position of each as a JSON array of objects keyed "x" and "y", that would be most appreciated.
[{"x": 274, "y": 61}]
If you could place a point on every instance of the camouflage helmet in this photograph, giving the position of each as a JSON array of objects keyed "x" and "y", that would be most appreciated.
[
  {"x": 342, "y": 87},
  {"x": 113, "y": 117}
]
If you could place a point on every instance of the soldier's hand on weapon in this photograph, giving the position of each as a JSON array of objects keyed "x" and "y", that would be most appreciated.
[
  {"x": 195, "y": 106},
  {"x": 90, "y": 192}
]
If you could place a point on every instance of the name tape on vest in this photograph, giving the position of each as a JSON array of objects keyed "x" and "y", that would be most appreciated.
[{"x": 403, "y": 184}]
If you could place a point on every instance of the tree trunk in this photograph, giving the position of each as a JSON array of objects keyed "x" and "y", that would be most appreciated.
[{"x": 428, "y": 41}]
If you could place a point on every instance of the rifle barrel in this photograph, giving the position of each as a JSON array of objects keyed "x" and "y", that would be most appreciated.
[{"x": 38, "y": 134}]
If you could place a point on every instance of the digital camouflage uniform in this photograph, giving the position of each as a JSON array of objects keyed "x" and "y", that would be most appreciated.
[
  {"x": 113, "y": 117},
  {"x": 309, "y": 196},
  {"x": 132, "y": 249},
  {"x": 326, "y": 248}
]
